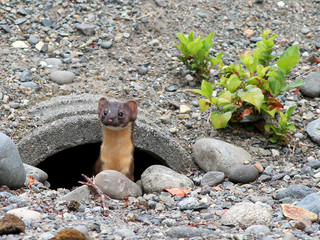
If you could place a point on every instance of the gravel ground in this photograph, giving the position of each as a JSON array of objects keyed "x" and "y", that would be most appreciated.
[{"x": 127, "y": 51}]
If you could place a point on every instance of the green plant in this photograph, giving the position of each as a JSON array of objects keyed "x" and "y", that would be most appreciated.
[
  {"x": 281, "y": 128},
  {"x": 196, "y": 53},
  {"x": 251, "y": 89}
]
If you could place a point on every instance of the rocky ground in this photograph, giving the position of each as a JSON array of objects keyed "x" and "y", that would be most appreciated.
[{"x": 127, "y": 51}]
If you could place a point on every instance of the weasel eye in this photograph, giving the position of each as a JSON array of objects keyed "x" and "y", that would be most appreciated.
[
  {"x": 105, "y": 113},
  {"x": 120, "y": 114}
]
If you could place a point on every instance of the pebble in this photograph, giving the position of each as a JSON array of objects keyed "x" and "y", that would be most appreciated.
[
  {"x": 26, "y": 76},
  {"x": 243, "y": 174},
  {"x": 185, "y": 109},
  {"x": 257, "y": 230},
  {"x": 26, "y": 214},
  {"x": 62, "y": 77},
  {"x": 311, "y": 203},
  {"x": 188, "y": 203},
  {"x": 143, "y": 70},
  {"x": 53, "y": 61},
  {"x": 212, "y": 179},
  {"x": 294, "y": 191},
  {"x": 248, "y": 33},
  {"x": 107, "y": 44},
  {"x": 313, "y": 130},
  {"x": 29, "y": 85},
  {"x": 19, "y": 44},
  {"x": 86, "y": 29}
]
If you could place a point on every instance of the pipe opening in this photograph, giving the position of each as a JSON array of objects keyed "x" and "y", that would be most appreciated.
[{"x": 65, "y": 167}]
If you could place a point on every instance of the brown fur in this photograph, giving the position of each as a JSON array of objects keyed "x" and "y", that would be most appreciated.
[{"x": 117, "y": 144}]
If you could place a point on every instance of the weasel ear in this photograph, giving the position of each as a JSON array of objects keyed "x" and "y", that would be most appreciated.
[
  {"x": 102, "y": 101},
  {"x": 134, "y": 109}
]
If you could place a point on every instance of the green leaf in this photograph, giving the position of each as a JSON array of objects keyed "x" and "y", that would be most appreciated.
[
  {"x": 194, "y": 46},
  {"x": 233, "y": 83},
  {"x": 230, "y": 107},
  {"x": 250, "y": 62},
  {"x": 265, "y": 108},
  {"x": 253, "y": 95},
  {"x": 216, "y": 60},
  {"x": 267, "y": 127},
  {"x": 190, "y": 37},
  {"x": 289, "y": 58},
  {"x": 206, "y": 89},
  {"x": 274, "y": 85},
  {"x": 204, "y": 104},
  {"x": 182, "y": 38},
  {"x": 224, "y": 98},
  {"x": 292, "y": 85},
  {"x": 290, "y": 111},
  {"x": 220, "y": 120},
  {"x": 197, "y": 91},
  {"x": 291, "y": 127},
  {"x": 208, "y": 39}
]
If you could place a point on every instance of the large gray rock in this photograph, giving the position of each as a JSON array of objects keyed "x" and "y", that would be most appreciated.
[
  {"x": 116, "y": 185},
  {"x": 215, "y": 155},
  {"x": 12, "y": 172},
  {"x": 246, "y": 214},
  {"x": 313, "y": 130},
  {"x": 157, "y": 177},
  {"x": 311, "y": 86}
]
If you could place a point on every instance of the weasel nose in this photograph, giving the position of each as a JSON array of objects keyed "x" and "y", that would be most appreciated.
[{"x": 110, "y": 121}]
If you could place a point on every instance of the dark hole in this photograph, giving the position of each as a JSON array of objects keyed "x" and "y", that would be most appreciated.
[{"x": 65, "y": 167}]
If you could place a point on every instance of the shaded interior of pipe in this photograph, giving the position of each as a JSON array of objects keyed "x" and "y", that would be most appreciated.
[{"x": 65, "y": 167}]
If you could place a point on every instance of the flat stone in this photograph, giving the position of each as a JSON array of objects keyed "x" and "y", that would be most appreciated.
[
  {"x": 116, "y": 185},
  {"x": 243, "y": 174},
  {"x": 212, "y": 178},
  {"x": 311, "y": 85},
  {"x": 26, "y": 214},
  {"x": 215, "y": 155},
  {"x": 29, "y": 85},
  {"x": 246, "y": 214},
  {"x": 79, "y": 194},
  {"x": 257, "y": 230},
  {"x": 142, "y": 70},
  {"x": 86, "y": 29},
  {"x": 12, "y": 172},
  {"x": 20, "y": 44},
  {"x": 188, "y": 203},
  {"x": 62, "y": 77},
  {"x": 157, "y": 177},
  {"x": 187, "y": 232},
  {"x": 294, "y": 191},
  {"x": 53, "y": 61},
  {"x": 5, "y": 28}
]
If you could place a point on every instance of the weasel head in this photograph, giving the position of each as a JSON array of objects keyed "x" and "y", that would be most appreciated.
[{"x": 117, "y": 114}]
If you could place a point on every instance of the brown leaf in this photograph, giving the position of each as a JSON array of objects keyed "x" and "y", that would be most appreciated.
[
  {"x": 294, "y": 212},
  {"x": 179, "y": 192}
]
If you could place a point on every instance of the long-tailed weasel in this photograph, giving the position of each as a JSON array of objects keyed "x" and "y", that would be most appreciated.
[{"x": 117, "y": 147}]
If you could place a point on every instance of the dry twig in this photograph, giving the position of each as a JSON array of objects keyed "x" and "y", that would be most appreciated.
[{"x": 90, "y": 182}]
